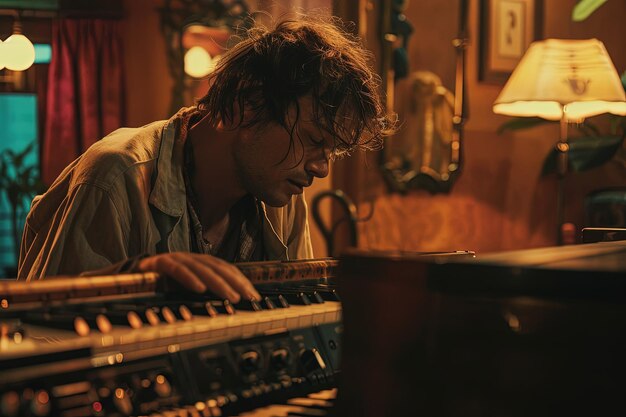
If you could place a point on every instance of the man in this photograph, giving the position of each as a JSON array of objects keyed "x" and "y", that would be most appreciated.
[{"x": 219, "y": 182}]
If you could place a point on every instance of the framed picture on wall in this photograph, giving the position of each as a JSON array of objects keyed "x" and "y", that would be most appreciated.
[{"x": 507, "y": 28}]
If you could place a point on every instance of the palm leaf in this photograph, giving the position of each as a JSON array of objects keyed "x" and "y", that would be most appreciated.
[{"x": 585, "y": 153}]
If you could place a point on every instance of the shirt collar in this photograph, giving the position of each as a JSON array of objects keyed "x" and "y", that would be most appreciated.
[{"x": 168, "y": 194}]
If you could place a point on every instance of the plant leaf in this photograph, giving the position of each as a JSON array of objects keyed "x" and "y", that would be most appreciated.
[
  {"x": 585, "y": 153},
  {"x": 18, "y": 158},
  {"x": 584, "y": 8}
]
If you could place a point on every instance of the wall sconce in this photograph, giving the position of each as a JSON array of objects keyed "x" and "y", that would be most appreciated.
[
  {"x": 198, "y": 62},
  {"x": 17, "y": 52},
  {"x": 204, "y": 46},
  {"x": 206, "y": 24}
]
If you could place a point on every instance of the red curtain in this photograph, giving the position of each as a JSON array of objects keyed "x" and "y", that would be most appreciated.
[{"x": 85, "y": 90}]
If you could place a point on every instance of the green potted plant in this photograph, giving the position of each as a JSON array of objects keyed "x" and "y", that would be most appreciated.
[{"x": 19, "y": 181}]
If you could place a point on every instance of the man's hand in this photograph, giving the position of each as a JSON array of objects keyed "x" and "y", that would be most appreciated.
[{"x": 202, "y": 272}]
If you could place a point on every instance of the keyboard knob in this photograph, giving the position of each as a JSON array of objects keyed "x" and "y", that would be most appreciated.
[
  {"x": 280, "y": 359},
  {"x": 312, "y": 361},
  {"x": 40, "y": 404},
  {"x": 249, "y": 361},
  {"x": 122, "y": 402},
  {"x": 162, "y": 386}
]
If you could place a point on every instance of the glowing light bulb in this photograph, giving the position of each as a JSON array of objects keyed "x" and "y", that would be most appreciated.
[
  {"x": 198, "y": 62},
  {"x": 18, "y": 52}
]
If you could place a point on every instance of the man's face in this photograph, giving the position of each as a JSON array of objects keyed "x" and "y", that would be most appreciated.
[{"x": 273, "y": 167}]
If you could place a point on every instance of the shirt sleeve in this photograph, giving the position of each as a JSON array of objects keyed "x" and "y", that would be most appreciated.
[
  {"x": 86, "y": 231},
  {"x": 127, "y": 266}
]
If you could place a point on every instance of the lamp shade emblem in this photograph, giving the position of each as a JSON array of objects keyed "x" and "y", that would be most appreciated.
[{"x": 577, "y": 84}]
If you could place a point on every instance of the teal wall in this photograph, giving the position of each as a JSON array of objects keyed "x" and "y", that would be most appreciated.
[{"x": 18, "y": 128}]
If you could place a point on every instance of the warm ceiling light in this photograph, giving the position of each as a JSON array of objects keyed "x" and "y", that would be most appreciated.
[{"x": 18, "y": 50}]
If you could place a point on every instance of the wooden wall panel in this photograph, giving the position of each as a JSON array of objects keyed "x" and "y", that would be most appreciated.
[{"x": 501, "y": 201}]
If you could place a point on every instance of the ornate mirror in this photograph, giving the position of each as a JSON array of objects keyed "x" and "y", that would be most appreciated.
[
  {"x": 429, "y": 98},
  {"x": 196, "y": 33}
]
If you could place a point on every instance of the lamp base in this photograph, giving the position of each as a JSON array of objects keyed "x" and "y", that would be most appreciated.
[{"x": 567, "y": 234}]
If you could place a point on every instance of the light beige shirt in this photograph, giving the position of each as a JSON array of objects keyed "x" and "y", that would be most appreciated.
[{"x": 125, "y": 196}]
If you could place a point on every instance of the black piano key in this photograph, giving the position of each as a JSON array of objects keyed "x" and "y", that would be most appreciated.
[
  {"x": 156, "y": 311},
  {"x": 129, "y": 318},
  {"x": 298, "y": 298},
  {"x": 145, "y": 313},
  {"x": 96, "y": 320},
  {"x": 280, "y": 301},
  {"x": 311, "y": 293},
  {"x": 151, "y": 316},
  {"x": 157, "y": 315},
  {"x": 223, "y": 306},
  {"x": 326, "y": 292},
  {"x": 202, "y": 308},
  {"x": 267, "y": 303},
  {"x": 249, "y": 305},
  {"x": 315, "y": 297},
  {"x": 166, "y": 314},
  {"x": 329, "y": 295},
  {"x": 180, "y": 310},
  {"x": 293, "y": 297},
  {"x": 82, "y": 323},
  {"x": 183, "y": 312},
  {"x": 276, "y": 300}
]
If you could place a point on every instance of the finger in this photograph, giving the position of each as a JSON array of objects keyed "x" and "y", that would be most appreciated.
[
  {"x": 233, "y": 275},
  {"x": 171, "y": 267},
  {"x": 212, "y": 278}
]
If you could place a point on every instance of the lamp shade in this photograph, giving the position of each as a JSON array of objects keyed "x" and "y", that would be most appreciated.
[{"x": 558, "y": 78}]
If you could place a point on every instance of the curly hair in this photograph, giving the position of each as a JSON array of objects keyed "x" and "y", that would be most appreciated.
[{"x": 269, "y": 70}]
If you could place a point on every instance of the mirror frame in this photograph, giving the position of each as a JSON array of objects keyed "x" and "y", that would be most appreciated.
[
  {"x": 407, "y": 178},
  {"x": 176, "y": 15}
]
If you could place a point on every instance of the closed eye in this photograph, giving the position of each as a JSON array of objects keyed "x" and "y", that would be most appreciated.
[
  {"x": 316, "y": 142},
  {"x": 336, "y": 152}
]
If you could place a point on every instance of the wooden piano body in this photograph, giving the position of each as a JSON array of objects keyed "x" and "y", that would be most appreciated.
[{"x": 537, "y": 332}]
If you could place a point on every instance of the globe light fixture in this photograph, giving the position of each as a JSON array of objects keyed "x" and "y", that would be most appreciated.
[{"x": 17, "y": 53}]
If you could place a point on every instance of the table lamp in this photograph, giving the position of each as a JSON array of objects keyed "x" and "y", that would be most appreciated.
[{"x": 566, "y": 80}]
